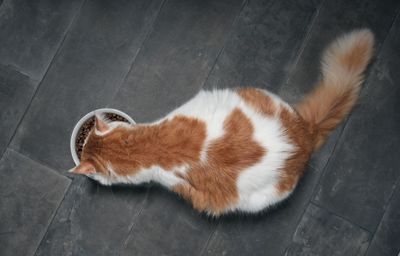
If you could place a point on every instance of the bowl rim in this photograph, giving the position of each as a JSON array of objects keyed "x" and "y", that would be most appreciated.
[{"x": 86, "y": 117}]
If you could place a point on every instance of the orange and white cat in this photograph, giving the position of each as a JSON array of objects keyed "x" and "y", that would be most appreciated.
[{"x": 232, "y": 149}]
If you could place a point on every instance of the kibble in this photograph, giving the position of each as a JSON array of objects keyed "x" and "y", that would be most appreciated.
[{"x": 88, "y": 126}]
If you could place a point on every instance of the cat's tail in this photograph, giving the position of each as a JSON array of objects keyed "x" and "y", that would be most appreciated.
[{"x": 343, "y": 65}]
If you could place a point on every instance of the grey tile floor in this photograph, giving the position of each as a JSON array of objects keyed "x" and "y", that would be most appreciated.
[{"x": 62, "y": 59}]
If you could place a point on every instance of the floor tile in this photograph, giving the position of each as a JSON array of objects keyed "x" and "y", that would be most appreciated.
[
  {"x": 386, "y": 241},
  {"x": 322, "y": 233},
  {"x": 92, "y": 220},
  {"x": 31, "y": 32},
  {"x": 168, "y": 226},
  {"x": 30, "y": 194},
  {"x": 16, "y": 91}
]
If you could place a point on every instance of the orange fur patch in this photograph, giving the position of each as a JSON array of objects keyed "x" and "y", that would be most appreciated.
[
  {"x": 296, "y": 130},
  {"x": 258, "y": 100},
  {"x": 168, "y": 144},
  {"x": 212, "y": 185}
]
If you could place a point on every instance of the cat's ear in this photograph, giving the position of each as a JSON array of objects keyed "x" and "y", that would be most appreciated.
[
  {"x": 84, "y": 168},
  {"x": 100, "y": 124}
]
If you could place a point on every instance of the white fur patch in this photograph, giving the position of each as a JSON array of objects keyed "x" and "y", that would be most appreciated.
[
  {"x": 154, "y": 173},
  {"x": 256, "y": 185}
]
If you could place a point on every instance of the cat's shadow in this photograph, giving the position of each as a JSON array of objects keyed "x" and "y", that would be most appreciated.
[
  {"x": 153, "y": 193},
  {"x": 94, "y": 187}
]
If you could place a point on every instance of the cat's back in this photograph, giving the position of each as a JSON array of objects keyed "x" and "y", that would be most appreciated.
[
  {"x": 208, "y": 103},
  {"x": 261, "y": 109},
  {"x": 214, "y": 107}
]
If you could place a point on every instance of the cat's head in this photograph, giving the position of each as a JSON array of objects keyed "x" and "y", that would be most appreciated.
[{"x": 100, "y": 151}]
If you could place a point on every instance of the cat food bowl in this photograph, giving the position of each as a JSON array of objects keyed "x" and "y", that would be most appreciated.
[{"x": 86, "y": 123}]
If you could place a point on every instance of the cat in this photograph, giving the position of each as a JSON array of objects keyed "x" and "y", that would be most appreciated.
[{"x": 231, "y": 150}]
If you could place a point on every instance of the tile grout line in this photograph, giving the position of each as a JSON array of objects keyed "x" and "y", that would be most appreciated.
[
  {"x": 396, "y": 186},
  {"x": 314, "y": 191},
  {"x": 63, "y": 173},
  {"x": 342, "y": 217},
  {"x": 55, "y": 214},
  {"x": 202, "y": 251},
  {"x": 125, "y": 243},
  {"x": 43, "y": 77},
  {"x": 244, "y": 4},
  {"x": 306, "y": 40},
  {"x": 52, "y": 218},
  {"x": 38, "y": 162},
  {"x": 57, "y": 206},
  {"x": 146, "y": 37}
]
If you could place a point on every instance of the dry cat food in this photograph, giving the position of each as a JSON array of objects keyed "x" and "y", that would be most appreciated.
[{"x": 87, "y": 127}]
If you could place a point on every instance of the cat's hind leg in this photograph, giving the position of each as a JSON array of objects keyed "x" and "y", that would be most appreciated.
[
  {"x": 261, "y": 199},
  {"x": 202, "y": 201},
  {"x": 197, "y": 198}
]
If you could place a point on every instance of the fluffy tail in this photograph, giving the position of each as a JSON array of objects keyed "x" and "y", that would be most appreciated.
[{"x": 343, "y": 65}]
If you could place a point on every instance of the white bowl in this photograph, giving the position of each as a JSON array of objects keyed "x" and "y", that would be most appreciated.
[{"x": 83, "y": 120}]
